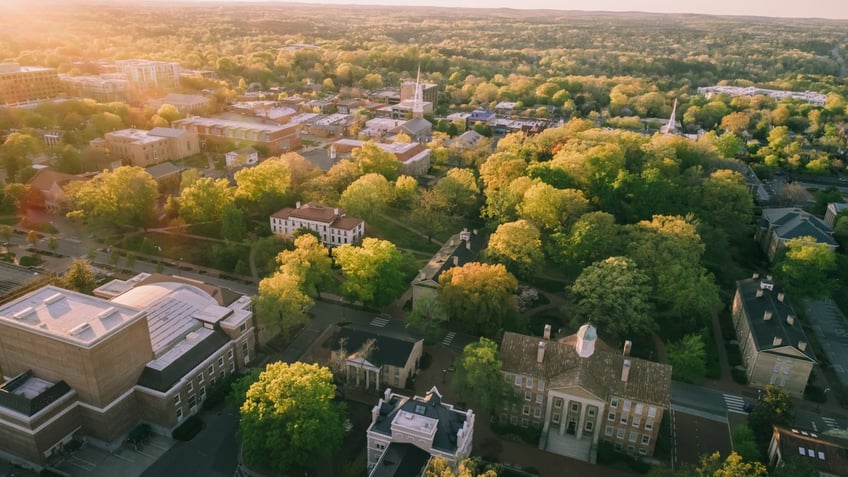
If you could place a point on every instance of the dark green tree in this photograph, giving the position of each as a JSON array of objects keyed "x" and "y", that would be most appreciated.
[{"x": 478, "y": 375}]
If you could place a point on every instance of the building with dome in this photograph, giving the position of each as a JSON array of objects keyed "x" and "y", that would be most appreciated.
[
  {"x": 143, "y": 351},
  {"x": 579, "y": 391}
]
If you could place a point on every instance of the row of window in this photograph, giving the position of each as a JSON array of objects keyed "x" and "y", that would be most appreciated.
[
  {"x": 632, "y": 437},
  {"x": 524, "y": 381},
  {"x": 638, "y": 408},
  {"x": 635, "y": 421},
  {"x": 192, "y": 398}
]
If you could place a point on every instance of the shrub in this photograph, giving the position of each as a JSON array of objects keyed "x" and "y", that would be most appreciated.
[
  {"x": 606, "y": 453},
  {"x": 426, "y": 360},
  {"x": 734, "y": 357}
]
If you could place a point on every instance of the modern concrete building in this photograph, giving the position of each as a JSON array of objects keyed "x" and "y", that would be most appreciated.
[
  {"x": 146, "y": 74},
  {"x": 78, "y": 367},
  {"x": 778, "y": 226},
  {"x": 103, "y": 88},
  {"x": 334, "y": 227},
  {"x": 460, "y": 249},
  {"x": 405, "y": 432},
  {"x": 773, "y": 345},
  {"x": 373, "y": 360},
  {"x": 275, "y": 138},
  {"x": 578, "y": 391},
  {"x": 27, "y": 84}
]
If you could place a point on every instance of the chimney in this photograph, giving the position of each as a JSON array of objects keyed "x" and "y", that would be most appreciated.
[
  {"x": 756, "y": 276},
  {"x": 777, "y": 341},
  {"x": 625, "y": 370},
  {"x": 375, "y": 412},
  {"x": 780, "y": 296},
  {"x": 627, "y": 345},
  {"x": 297, "y": 205},
  {"x": 759, "y": 292},
  {"x": 547, "y": 332},
  {"x": 802, "y": 345},
  {"x": 455, "y": 261},
  {"x": 766, "y": 315},
  {"x": 468, "y": 245},
  {"x": 768, "y": 277},
  {"x": 336, "y": 211},
  {"x": 540, "y": 354}
]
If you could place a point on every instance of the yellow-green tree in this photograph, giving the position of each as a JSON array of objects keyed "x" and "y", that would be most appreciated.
[{"x": 125, "y": 197}]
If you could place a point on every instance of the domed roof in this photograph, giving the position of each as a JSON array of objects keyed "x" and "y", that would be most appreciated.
[{"x": 587, "y": 332}]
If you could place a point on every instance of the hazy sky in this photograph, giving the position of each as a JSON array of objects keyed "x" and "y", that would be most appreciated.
[{"x": 770, "y": 8}]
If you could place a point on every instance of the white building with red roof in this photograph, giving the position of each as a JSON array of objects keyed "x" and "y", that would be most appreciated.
[{"x": 330, "y": 223}]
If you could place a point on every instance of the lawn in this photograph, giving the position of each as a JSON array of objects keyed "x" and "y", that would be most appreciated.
[
  {"x": 225, "y": 257},
  {"x": 398, "y": 235}
]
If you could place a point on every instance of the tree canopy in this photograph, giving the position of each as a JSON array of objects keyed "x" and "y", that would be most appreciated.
[
  {"x": 123, "y": 197},
  {"x": 518, "y": 246},
  {"x": 478, "y": 375},
  {"x": 806, "y": 268},
  {"x": 478, "y": 297},
  {"x": 373, "y": 272}
]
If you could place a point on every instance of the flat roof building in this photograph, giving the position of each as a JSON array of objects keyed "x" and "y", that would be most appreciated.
[{"x": 27, "y": 84}]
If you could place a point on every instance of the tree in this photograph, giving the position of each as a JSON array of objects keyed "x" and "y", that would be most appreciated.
[
  {"x": 233, "y": 225},
  {"x": 32, "y": 238},
  {"x": 726, "y": 202},
  {"x": 169, "y": 113},
  {"x": 478, "y": 297},
  {"x": 478, "y": 375},
  {"x": 371, "y": 158},
  {"x": 806, "y": 268},
  {"x": 310, "y": 261},
  {"x": 264, "y": 187},
  {"x": 613, "y": 294},
  {"x": 773, "y": 409},
  {"x": 593, "y": 237},
  {"x": 457, "y": 193},
  {"x": 80, "y": 277},
  {"x": 733, "y": 466},
  {"x": 744, "y": 443},
  {"x": 518, "y": 246},
  {"x": 281, "y": 305},
  {"x": 289, "y": 419},
  {"x": 6, "y": 232},
  {"x": 15, "y": 152},
  {"x": 372, "y": 273},
  {"x": 549, "y": 208},
  {"x": 729, "y": 145},
  {"x": 205, "y": 200},
  {"x": 367, "y": 197},
  {"x": 688, "y": 358},
  {"x": 406, "y": 192},
  {"x": 124, "y": 197},
  {"x": 52, "y": 243},
  {"x": 795, "y": 467},
  {"x": 427, "y": 317},
  {"x": 470, "y": 467}
]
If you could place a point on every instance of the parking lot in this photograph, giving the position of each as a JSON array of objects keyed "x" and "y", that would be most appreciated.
[{"x": 91, "y": 461}]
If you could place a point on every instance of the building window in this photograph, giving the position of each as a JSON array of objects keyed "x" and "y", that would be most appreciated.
[
  {"x": 525, "y": 423},
  {"x": 211, "y": 370},
  {"x": 232, "y": 366},
  {"x": 608, "y": 431},
  {"x": 557, "y": 403},
  {"x": 643, "y": 451},
  {"x": 525, "y": 410},
  {"x": 626, "y": 405},
  {"x": 513, "y": 420},
  {"x": 528, "y": 395},
  {"x": 589, "y": 426},
  {"x": 220, "y": 361},
  {"x": 192, "y": 401},
  {"x": 177, "y": 400},
  {"x": 623, "y": 419},
  {"x": 620, "y": 433},
  {"x": 537, "y": 412},
  {"x": 508, "y": 378},
  {"x": 555, "y": 418},
  {"x": 649, "y": 425},
  {"x": 633, "y": 436},
  {"x": 611, "y": 417},
  {"x": 230, "y": 353},
  {"x": 202, "y": 392},
  {"x": 592, "y": 411},
  {"x": 517, "y": 380},
  {"x": 539, "y": 398},
  {"x": 614, "y": 403},
  {"x": 190, "y": 387},
  {"x": 652, "y": 411},
  {"x": 200, "y": 378},
  {"x": 630, "y": 449},
  {"x": 243, "y": 327},
  {"x": 636, "y": 420},
  {"x": 179, "y": 414},
  {"x": 646, "y": 439},
  {"x": 528, "y": 382},
  {"x": 575, "y": 406},
  {"x": 540, "y": 385},
  {"x": 639, "y": 408}
]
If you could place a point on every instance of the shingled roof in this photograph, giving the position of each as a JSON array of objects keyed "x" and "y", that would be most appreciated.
[
  {"x": 387, "y": 349},
  {"x": 825, "y": 453},
  {"x": 599, "y": 373},
  {"x": 791, "y": 222}
]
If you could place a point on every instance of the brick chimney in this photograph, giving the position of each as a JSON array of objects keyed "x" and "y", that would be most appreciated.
[
  {"x": 627, "y": 345},
  {"x": 766, "y": 315},
  {"x": 802, "y": 345},
  {"x": 625, "y": 370},
  {"x": 547, "y": 332},
  {"x": 297, "y": 205}
]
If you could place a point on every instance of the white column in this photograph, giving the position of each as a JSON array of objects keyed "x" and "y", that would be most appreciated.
[
  {"x": 377, "y": 373},
  {"x": 579, "y": 429},
  {"x": 597, "y": 434},
  {"x": 367, "y": 379},
  {"x": 547, "y": 424},
  {"x": 563, "y": 416}
]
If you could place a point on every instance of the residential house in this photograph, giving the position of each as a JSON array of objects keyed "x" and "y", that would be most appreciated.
[
  {"x": 334, "y": 227},
  {"x": 481, "y": 116},
  {"x": 460, "y": 249},
  {"x": 406, "y": 431},
  {"x": 833, "y": 210},
  {"x": 827, "y": 452},
  {"x": 371, "y": 359},
  {"x": 505, "y": 109},
  {"x": 418, "y": 129},
  {"x": 246, "y": 156},
  {"x": 275, "y": 138},
  {"x": 771, "y": 340},
  {"x": 777, "y": 226},
  {"x": 466, "y": 140},
  {"x": 578, "y": 391},
  {"x": 47, "y": 189},
  {"x": 86, "y": 368}
]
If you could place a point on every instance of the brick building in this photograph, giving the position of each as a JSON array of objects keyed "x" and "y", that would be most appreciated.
[
  {"x": 331, "y": 223},
  {"x": 25, "y": 84}
]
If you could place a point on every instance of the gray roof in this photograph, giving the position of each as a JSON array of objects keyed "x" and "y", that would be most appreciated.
[
  {"x": 14, "y": 278},
  {"x": 778, "y": 326},
  {"x": 450, "y": 420},
  {"x": 389, "y": 350},
  {"x": 162, "y": 169},
  {"x": 166, "y": 132},
  {"x": 164, "y": 379},
  {"x": 443, "y": 260},
  {"x": 417, "y": 125},
  {"x": 791, "y": 222},
  {"x": 599, "y": 374},
  {"x": 401, "y": 460}
]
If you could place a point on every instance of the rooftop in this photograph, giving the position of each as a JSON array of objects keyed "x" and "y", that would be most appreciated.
[
  {"x": 228, "y": 123},
  {"x": 792, "y": 222},
  {"x": 28, "y": 394},
  {"x": 138, "y": 136},
  {"x": 14, "y": 278},
  {"x": 781, "y": 333},
  {"x": 401, "y": 460},
  {"x": 823, "y": 451},
  {"x": 68, "y": 316},
  {"x": 166, "y": 132},
  {"x": 599, "y": 373},
  {"x": 315, "y": 212},
  {"x": 465, "y": 246},
  {"x": 390, "y": 350}
]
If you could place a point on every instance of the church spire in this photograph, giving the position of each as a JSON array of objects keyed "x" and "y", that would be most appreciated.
[
  {"x": 418, "y": 102},
  {"x": 671, "y": 127}
]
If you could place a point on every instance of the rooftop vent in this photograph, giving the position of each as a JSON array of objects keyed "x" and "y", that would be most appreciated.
[
  {"x": 23, "y": 314},
  {"x": 790, "y": 320},
  {"x": 766, "y": 315},
  {"x": 777, "y": 341},
  {"x": 53, "y": 298},
  {"x": 756, "y": 276},
  {"x": 79, "y": 329},
  {"x": 547, "y": 332}
]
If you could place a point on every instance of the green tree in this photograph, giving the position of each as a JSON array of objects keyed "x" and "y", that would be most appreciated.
[
  {"x": 726, "y": 202},
  {"x": 593, "y": 237},
  {"x": 289, "y": 419},
  {"x": 688, "y": 358},
  {"x": 310, "y": 261},
  {"x": 518, "y": 246},
  {"x": 806, "y": 268},
  {"x": 16, "y": 194},
  {"x": 729, "y": 145},
  {"x": 80, "y": 277},
  {"x": 205, "y": 200},
  {"x": 264, "y": 188},
  {"x": 371, "y": 158},
  {"x": 550, "y": 208},
  {"x": 15, "y": 152},
  {"x": 478, "y": 375},
  {"x": 613, "y": 294},
  {"x": 367, "y": 197},
  {"x": 52, "y": 243},
  {"x": 427, "y": 317},
  {"x": 32, "y": 238},
  {"x": 744, "y": 443},
  {"x": 6, "y": 232},
  {"x": 281, "y": 305},
  {"x": 478, "y": 297},
  {"x": 795, "y": 467},
  {"x": 406, "y": 192},
  {"x": 773, "y": 409},
  {"x": 123, "y": 197},
  {"x": 733, "y": 466},
  {"x": 169, "y": 113},
  {"x": 457, "y": 193},
  {"x": 233, "y": 223},
  {"x": 372, "y": 272}
]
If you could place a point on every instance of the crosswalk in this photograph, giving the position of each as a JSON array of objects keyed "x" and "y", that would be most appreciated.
[
  {"x": 734, "y": 403},
  {"x": 449, "y": 338},
  {"x": 379, "y": 322}
]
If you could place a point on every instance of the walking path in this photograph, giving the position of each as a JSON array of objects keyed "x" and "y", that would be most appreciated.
[{"x": 407, "y": 227}]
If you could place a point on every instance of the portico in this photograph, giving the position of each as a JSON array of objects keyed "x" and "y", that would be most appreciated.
[
  {"x": 571, "y": 423},
  {"x": 362, "y": 370}
]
